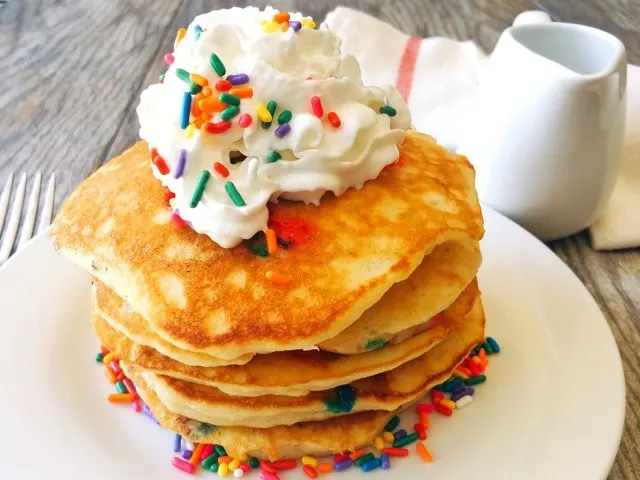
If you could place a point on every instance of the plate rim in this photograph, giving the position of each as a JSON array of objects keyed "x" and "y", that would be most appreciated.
[{"x": 42, "y": 239}]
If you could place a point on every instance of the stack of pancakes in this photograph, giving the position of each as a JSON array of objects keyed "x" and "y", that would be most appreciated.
[{"x": 382, "y": 303}]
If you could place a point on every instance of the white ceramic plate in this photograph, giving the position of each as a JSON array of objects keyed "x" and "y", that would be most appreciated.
[{"x": 553, "y": 405}]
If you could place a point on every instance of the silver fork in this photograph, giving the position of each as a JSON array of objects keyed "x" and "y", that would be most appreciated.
[{"x": 10, "y": 229}]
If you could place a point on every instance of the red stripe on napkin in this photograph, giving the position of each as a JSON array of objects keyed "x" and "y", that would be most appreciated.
[{"x": 408, "y": 67}]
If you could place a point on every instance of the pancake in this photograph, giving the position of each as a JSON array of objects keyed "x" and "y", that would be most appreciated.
[
  {"x": 386, "y": 391},
  {"x": 431, "y": 288},
  {"x": 121, "y": 317},
  {"x": 206, "y": 299},
  {"x": 401, "y": 313},
  {"x": 292, "y": 373},
  {"x": 310, "y": 438}
]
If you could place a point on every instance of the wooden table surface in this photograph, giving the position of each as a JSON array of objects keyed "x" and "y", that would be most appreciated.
[{"x": 73, "y": 71}]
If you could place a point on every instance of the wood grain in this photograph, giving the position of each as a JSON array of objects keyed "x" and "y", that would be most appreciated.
[
  {"x": 74, "y": 69},
  {"x": 480, "y": 20},
  {"x": 71, "y": 69}
]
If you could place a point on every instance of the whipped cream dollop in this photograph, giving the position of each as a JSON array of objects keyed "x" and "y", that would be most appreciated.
[{"x": 222, "y": 170}]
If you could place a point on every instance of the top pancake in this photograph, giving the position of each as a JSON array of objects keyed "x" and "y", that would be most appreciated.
[{"x": 207, "y": 299}]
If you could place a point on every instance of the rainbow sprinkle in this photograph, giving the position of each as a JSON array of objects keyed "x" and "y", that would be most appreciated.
[
  {"x": 272, "y": 156},
  {"x": 238, "y": 79},
  {"x": 388, "y": 110},
  {"x": 177, "y": 220},
  {"x": 272, "y": 105},
  {"x": 262, "y": 246},
  {"x": 217, "y": 127},
  {"x": 284, "y": 117},
  {"x": 197, "y": 31},
  {"x": 168, "y": 196},
  {"x": 242, "y": 92},
  {"x": 161, "y": 165},
  {"x": 217, "y": 65},
  {"x": 199, "y": 80},
  {"x": 210, "y": 105},
  {"x": 281, "y": 17},
  {"x": 258, "y": 245},
  {"x": 182, "y": 159},
  {"x": 177, "y": 443},
  {"x": 272, "y": 241},
  {"x": 221, "y": 169},
  {"x": 183, "y": 75},
  {"x": 374, "y": 344},
  {"x": 229, "y": 99},
  {"x": 278, "y": 278},
  {"x": 179, "y": 36},
  {"x": 316, "y": 106},
  {"x": 183, "y": 465},
  {"x": 186, "y": 110},
  {"x": 234, "y": 195},
  {"x": 345, "y": 399},
  {"x": 263, "y": 113},
  {"x": 229, "y": 113},
  {"x": 200, "y": 186},
  {"x": 271, "y": 27},
  {"x": 282, "y": 130},
  {"x": 245, "y": 120},
  {"x": 334, "y": 119},
  {"x": 223, "y": 85}
]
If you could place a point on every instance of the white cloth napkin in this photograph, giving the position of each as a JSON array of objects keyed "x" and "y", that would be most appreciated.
[{"x": 447, "y": 73}]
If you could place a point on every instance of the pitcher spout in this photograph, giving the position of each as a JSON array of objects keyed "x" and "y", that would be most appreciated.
[{"x": 582, "y": 51}]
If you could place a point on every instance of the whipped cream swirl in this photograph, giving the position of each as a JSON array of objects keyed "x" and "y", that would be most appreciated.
[{"x": 287, "y": 67}]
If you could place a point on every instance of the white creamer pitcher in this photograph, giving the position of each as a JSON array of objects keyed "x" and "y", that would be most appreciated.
[{"x": 547, "y": 123}]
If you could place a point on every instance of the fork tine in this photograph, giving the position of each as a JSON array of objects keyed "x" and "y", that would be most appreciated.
[
  {"x": 4, "y": 199},
  {"x": 32, "y": 208},
  {"x": 14, "y": 220},
  {"x": 47, "y": 208}
]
